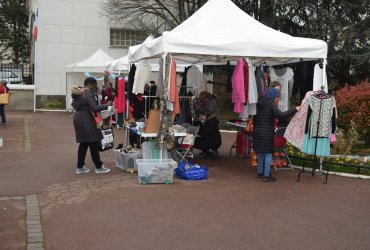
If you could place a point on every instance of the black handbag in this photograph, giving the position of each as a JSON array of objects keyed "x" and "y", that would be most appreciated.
[{"x": 108, "y": 139}]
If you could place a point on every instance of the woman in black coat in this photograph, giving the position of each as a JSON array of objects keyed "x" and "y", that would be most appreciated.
[
  {"x": 88, "y": 135},
  {"x": 209, "y": 136},
  {"x": 264, "y": 131}
]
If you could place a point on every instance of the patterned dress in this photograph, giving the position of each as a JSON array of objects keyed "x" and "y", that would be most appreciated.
[{"x": 295, "y": 130}]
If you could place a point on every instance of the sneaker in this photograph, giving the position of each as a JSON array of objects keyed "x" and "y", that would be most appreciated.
[
  {"x": 82, "y": 170},
  {"x": 214, "y": 152},
  {"x": 269, "y": 178},
  {"x": 3, "y": 124},
  {"x": 102, "y": 170},
  {"x": 259, "y": 175},
  {"x": 119, "y": 127}
]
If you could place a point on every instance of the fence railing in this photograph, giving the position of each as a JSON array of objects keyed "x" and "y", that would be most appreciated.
[{"x": 17, "y": 73}]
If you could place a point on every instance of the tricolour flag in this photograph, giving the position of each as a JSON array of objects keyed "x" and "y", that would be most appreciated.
[{"x": 35, "y": 24}]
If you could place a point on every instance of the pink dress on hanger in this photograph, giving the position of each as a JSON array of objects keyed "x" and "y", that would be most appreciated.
[
  {"x": 237, "y": 80},
  {"x": 294, "y": 132}
]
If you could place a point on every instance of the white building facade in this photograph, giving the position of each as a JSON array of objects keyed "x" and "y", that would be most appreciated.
[{"x": 69, "y": 31}]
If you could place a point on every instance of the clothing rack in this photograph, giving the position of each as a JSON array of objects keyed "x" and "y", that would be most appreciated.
[{"x": 317, "y": 162}]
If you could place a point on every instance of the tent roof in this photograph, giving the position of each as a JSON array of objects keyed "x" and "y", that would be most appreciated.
[
  {"x": 120, "y": 64},
  {"x": 94, "y": 63},
  {"x": 220, "y": 31}
]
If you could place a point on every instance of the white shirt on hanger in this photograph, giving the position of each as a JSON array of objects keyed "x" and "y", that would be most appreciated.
[
  {"x": 195, "y": 79},
  {"x": 318, "y": 79},
  {"x": 283, "y": 79},
  {"x": 142, "y": 75}
]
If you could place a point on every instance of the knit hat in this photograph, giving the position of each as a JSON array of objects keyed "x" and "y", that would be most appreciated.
[{"x": 272, "y": 93}]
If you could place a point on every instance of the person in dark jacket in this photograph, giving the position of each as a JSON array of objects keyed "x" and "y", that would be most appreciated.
[
  {"x": 209, "y": 136},
  {"x": 88, "y": 135},
  {"x": 263, "y": 134}
]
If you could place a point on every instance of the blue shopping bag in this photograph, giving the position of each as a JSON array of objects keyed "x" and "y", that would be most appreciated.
[{"x": 191, "y": 171}]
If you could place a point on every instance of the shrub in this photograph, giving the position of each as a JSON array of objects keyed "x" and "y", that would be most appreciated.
[{"x": 353, "y": 104}]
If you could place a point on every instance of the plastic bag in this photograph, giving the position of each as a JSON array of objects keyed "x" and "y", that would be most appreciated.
[{"x": 191, "y": 171}]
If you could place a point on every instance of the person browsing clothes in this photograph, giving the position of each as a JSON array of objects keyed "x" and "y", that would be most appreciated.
[
  {"x": 88, "y": 135},
  {"x": 264, "y": 131},
  {"x": 209, "y": 136}
]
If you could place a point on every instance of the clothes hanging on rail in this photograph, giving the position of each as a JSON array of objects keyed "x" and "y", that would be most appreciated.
[
  {"x": 237, "y": 79},
  {"x": 319, "y": 79},
  {"x": 160, "y": 78},
  {"x": 138, "y": 103},
  {"x": 131, "y": 79},
  {"x": 229, "y": 72},
  {"x": 285, "y": 77},
  {"x": 142, "y": 75},
  {"x": 320, "y": 124},
  {"x": 195, "y": 79},
  {"x": 259, "y": 80},
  {"x": 252, "y": 91},
  {"x": 173, "y": 90},
  {"x": 119, "y": 96},
  {"x": 185, "y": 100},
  {"x": 295, "y": 130},
  {"x": 303, "y": 78}
]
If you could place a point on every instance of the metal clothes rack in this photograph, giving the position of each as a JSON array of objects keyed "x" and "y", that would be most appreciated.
[{"x": 317, "y": 162}]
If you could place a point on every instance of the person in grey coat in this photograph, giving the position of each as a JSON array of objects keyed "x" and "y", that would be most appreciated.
[
  {"x": 88, "y": 135},
  {"x": 264, "y": 131}
]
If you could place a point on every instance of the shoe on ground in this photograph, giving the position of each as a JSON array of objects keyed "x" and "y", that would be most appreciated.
[
  {"x": 102, "y": 170},
  {"x": 119, "y": 127},
  {"x": 3, "y": 124},
  {"x": 259, "y": 175},
  {"x": 214, "y": 152},
  {"x": 269, "y": 178},
  {"x": 82, "y": 170},
  {"x": 210, "y": 155}
]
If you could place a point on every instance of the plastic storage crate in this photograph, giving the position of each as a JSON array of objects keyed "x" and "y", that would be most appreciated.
[
  {"x": 156, "y": 170},
  {"x": 127, "y": 160}
]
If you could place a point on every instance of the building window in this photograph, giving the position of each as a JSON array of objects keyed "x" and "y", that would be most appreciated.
[{"x": 125, "y": 38}]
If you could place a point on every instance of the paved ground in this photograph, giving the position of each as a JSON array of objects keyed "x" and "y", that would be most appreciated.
[{"x": 43, "y": 204}]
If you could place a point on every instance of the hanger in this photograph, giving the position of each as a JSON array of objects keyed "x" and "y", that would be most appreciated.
[
  {"x": 321, "y": 94},
  {"x": 320, "y": 62},
  {"x": 263, "y": 64}
]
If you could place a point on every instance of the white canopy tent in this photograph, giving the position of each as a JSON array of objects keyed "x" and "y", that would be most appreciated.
[
  {"x": 123, "y": 65},
  {"x": 220, "y": 31},
  {"x": 96, "y": 63},
  {"x": 119, "y": 65}
]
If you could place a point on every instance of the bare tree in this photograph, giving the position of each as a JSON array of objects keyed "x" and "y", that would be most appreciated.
[{"x": 150, "y": 15}]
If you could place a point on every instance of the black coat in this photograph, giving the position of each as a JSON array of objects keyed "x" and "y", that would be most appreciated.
[
  {"x": 83, "y": 121},
  {"x": 210, "y": 132},
  {"x": 264, "y": 131}
]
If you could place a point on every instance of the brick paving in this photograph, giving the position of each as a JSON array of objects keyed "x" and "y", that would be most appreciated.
[{"x": 45, "y": 205}]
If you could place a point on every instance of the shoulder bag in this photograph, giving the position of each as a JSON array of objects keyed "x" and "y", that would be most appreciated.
[
  {"x": 96, "y": 115},
  {"x": 4, "y": 98}
]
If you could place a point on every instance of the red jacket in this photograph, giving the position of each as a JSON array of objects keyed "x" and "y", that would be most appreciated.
[{"x": 4, "y": 89}]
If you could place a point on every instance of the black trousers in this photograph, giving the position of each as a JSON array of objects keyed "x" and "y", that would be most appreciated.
[
  {"x": 2, "y": 113},
  {"x": 94, "y": 151},
  {"x": 204, "y": 145}
]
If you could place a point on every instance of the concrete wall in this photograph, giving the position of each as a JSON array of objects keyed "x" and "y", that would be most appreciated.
[{"x": 21, "y": 97}]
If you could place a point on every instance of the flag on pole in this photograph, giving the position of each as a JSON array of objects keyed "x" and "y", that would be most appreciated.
[{"x": 35, "y": 24}]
